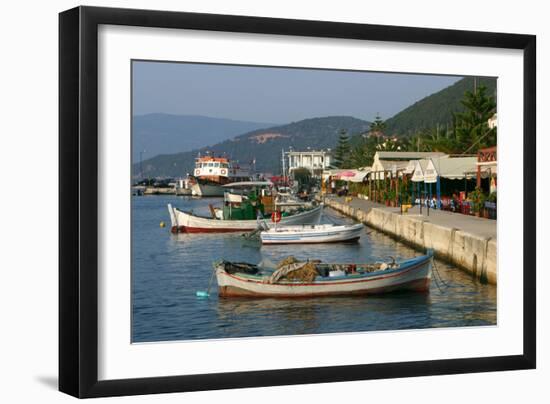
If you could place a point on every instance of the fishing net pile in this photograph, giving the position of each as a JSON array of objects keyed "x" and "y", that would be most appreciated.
[
  {"x": 291, "y": 269},
  {"x": 287, "y": 261}
]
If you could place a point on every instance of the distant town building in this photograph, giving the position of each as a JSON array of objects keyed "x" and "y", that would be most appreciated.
[
  {"x": 492, "y": 122},
  {"x": 314, "y": 160}
]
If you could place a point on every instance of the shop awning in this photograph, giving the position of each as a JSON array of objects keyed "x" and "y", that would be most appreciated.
[
  {"x": 452, "y": 168},
  {"x": 351, "y": 175}
]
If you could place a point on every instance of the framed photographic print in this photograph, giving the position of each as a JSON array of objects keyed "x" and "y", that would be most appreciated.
[{"x": 251, "y": 201}]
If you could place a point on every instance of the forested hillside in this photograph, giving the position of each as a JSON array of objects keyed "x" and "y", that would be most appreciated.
[{"x": 436, "y": 109}]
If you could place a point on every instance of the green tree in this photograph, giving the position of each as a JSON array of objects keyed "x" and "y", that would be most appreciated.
[
  {"x": 468, "y": 132},
  {"x": 471, "y": 126},
  {"x": 378, "y": 127},
  {"x": 362, "y": 155},
  {"x": 342, "y": 152},
  {"x": 439, "y": 139}
]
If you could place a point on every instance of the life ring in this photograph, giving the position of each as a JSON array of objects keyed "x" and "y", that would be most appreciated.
[
  {"x": 223, "y": 171},
  {"x": 197, "y": 171},
  {"x": 276, "y": 216}
]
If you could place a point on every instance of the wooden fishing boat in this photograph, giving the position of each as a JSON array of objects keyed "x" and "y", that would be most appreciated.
[
  {"x": 186, "y": 222},
  {"x": 309, "y": 234},
  {"x": 309, "y": 279}
]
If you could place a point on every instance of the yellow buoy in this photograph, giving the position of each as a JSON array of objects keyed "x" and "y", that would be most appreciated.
[{"x": 162, "y": 224}]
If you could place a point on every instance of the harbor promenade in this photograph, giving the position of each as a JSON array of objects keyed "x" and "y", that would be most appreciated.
[{"x": 466, "y": 241}]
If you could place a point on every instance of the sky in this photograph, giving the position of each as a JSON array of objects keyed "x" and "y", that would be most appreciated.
[{"x": 273, "y": 94}]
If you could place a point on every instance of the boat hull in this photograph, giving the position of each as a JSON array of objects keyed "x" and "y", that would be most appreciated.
[
  {"x": 184, "y": 222},
  {"x": 417, "y": 285},
  {"x": 210, "y": 190},
  {"x": 414, "y": 276},
  {"x": 334, "y": 234}
]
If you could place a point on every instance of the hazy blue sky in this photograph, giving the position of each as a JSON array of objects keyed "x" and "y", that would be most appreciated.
[{"x": 275, "y": 95}]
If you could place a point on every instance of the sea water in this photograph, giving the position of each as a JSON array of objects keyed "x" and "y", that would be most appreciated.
[{"x": 168, "y": 269}]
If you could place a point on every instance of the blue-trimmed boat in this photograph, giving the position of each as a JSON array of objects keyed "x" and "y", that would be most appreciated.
[{"x": 311, "y": 278}]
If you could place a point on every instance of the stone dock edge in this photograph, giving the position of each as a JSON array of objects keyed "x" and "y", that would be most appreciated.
[{"x": 475, "y": 254}]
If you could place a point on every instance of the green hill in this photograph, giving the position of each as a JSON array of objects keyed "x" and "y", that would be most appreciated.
[
  {"x": 264, "y": 145},
  {"x": 435, "y": 109},
  {"x": 164, "y": 133}
]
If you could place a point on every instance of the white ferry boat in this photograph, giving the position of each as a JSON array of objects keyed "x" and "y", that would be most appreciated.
[{"x": 211, "y": 173}]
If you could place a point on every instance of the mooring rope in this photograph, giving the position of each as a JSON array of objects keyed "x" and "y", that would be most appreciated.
[
  {"x": 436, "y": 275},
  {"x": 437, "y": 284},
  {"x": 329, "y": 218}
]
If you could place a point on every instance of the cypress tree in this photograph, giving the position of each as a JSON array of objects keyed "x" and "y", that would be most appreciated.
[{"x": 342, "y": 152}]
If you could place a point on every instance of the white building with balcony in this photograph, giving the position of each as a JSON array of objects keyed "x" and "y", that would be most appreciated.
[{"x": 314, "y": 160}]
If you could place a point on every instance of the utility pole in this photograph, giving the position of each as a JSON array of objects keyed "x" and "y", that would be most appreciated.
[
  {"x": 141, "y": 164},
  {"x": 283, "y": 164}
]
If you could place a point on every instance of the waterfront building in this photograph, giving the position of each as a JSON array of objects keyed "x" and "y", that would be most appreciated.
[
  {"x": 487, "y": 163},
  {"x": 451, "y": 175},
  {"x": 314, "y": 160},
  {"x": 487, "y": 160},
  {"x": 395, "y": 162}
]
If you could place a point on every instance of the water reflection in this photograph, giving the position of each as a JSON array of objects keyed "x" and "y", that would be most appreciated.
[{"x": 309, "y": 315}]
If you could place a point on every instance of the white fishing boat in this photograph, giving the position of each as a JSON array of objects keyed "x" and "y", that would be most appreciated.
[
  {"x": 308, "y": 234},
  {"x": 310, "y": 279},
  {"x": 187, "y": 222}
]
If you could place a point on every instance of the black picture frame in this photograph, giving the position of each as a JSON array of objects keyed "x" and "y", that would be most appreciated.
[{"x": 78, "y": 201}]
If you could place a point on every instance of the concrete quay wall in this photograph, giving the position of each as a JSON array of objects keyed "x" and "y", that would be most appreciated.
[{"x": 473, "y": 253}]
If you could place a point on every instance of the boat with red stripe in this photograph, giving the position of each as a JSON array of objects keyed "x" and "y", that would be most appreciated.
[
  {"x": 313, "y": 278},
  {"x": 187, "y": 222}
]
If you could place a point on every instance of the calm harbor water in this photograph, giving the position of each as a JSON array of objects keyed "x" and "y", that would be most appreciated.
[{"x": 168, "y": 269}]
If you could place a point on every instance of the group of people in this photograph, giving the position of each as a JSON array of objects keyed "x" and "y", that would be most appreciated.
[
  {"x": 453, "y": 203},
  {"x": 343, "y": 191},
  {"x": 431, "y": 203}
]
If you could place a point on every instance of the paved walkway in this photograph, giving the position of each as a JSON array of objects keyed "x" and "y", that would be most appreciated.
[{"x": 486, "y": 228}]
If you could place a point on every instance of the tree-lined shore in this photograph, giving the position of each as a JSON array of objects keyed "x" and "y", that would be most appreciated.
[{"x": 468, "y": 131}]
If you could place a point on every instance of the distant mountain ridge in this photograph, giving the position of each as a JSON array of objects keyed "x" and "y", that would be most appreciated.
[
  {"x": 165, "y": 133},
  {"x": 435, "y": 109},
  {"x": 263, "y": 145}
]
